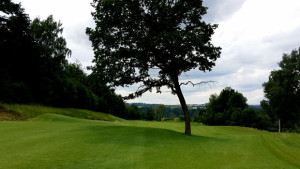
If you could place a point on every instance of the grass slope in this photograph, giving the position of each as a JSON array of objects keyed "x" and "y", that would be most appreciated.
[
  {"x": 24, "y": 112},
  {"x": 58, "y": 141}
]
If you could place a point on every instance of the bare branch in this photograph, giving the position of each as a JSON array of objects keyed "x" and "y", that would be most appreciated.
[{"x": 197, "y": 84}]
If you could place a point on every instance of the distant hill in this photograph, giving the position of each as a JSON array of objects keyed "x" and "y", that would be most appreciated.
[
  {"x": 141, "y": 104},
  {"x": 146, "y": 104},
  {"x": 255, "y": 106},
  {"x": 170, "y": 110},
  {"x": 189, "y": 105}
]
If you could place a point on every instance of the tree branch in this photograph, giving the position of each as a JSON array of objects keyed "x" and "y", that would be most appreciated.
[
  {"x": 147, "y": 86},
  {"x": 195, "y": 84}
]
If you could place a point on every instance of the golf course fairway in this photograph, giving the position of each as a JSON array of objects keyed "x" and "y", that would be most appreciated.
[{"x": 62, "y": 142}]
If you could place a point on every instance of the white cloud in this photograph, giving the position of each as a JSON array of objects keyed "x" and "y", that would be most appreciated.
[
  {"x": 254, "y": 96},
  {"x": 260, "y": 18},
  {"x": 221, "y": 10},
  {"x": 253, "y": 41},
  {"x": 70, "y": 12}
]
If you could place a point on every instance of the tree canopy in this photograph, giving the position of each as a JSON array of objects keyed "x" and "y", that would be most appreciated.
[
  {"x": 220, "y": 107},
  {"x": 53, "y": 46},
  {"x": 131, "y": 38}
]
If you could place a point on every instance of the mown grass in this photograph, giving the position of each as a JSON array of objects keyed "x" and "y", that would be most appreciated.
[{"x": 57, "y": 141}]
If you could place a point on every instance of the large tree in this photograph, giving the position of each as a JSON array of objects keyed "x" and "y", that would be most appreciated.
[
  {"x": 133, "y": 37},
  {"x": 53, "y": 51},
  {"x": 282, "y": 92}
]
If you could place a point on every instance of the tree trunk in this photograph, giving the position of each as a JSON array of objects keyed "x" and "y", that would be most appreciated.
[
  {"x": 183, "y": 106},
  {"x": 279, "y": 126}
]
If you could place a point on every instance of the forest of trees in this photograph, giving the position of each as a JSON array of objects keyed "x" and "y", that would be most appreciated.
[{"x": 34, "y": 66}]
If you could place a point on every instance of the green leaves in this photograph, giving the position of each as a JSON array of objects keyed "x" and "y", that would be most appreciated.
[
  {"x": 230, "y": 108},
  {"x": 48, "y": 35},
  {"x": 133, "y": 37}
]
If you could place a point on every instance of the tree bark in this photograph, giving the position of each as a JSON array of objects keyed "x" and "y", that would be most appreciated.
[{"x": 183, "y": 106}]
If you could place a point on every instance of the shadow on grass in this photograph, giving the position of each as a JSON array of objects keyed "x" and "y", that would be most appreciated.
[{"x": 143, "y": 136}]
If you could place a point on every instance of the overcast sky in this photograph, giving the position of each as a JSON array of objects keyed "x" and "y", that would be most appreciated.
[{"x": 253, "y": 35}]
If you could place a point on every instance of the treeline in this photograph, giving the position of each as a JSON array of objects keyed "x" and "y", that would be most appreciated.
[
  {"x": 170, "y": 112},
  {"x": 157, "y": 112},
  {"x": 154, "y": 112},
  {"x": 34, "y": 68}
]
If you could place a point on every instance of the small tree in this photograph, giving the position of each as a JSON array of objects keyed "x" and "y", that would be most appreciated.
[
  {"x": 158, "y": 111},
  {"x": 133, "y": 37}
]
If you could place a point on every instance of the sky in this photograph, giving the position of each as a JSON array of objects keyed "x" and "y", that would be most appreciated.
[{"x": 253, "y": 35}]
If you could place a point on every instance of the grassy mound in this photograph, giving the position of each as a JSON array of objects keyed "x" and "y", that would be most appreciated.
[{"x": 24, "y": 112}]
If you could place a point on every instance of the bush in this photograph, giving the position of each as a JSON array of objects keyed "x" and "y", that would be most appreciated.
[
  {"x": 132, "y": 112},
  {"x": 181, "y": 118}
]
